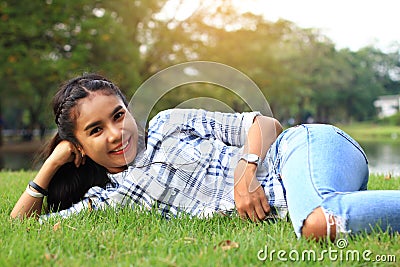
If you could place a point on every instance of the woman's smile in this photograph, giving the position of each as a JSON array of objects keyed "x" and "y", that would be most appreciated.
[{"x": 122, "y": 148}]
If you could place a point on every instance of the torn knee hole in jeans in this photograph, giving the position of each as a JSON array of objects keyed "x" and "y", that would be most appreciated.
[{"x": 338, "y": 221}]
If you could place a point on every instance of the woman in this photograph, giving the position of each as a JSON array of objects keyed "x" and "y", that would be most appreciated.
[{"x": 203, "y": 163}]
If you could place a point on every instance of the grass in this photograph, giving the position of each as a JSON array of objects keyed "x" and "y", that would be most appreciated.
[{"x": 138, "y": 238}]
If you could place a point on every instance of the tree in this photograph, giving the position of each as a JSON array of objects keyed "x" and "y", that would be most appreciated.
[
  {"x": 298, "y": 70},
  {"x": 45, "y": 42}
]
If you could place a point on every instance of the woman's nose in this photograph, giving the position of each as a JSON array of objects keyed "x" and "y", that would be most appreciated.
[{"x": 115, "y": 134}]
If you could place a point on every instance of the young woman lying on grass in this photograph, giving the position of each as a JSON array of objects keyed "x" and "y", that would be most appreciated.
[{"x": 203, "y": 163}]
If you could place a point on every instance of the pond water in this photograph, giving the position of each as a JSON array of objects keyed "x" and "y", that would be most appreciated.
[
  {"x": 17, "y": 160},
  {"x": 383, "y": 159}
]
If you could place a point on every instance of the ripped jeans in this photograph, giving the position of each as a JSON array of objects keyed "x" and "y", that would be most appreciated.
[{"x": 321, "y": 166}]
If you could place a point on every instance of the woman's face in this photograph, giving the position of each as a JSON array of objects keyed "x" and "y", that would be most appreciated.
[{"x": 106, "y": 130}]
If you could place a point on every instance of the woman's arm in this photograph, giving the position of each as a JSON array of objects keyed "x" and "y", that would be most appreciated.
[
  {"x": 27, "y": 205},
  {"x": 250, "y": 198}
]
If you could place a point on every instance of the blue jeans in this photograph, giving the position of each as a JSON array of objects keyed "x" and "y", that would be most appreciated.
[{"x": 321, "y": 166}]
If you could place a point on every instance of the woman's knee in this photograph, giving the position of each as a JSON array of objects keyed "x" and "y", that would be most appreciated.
[{"x": 316, "y": 225}]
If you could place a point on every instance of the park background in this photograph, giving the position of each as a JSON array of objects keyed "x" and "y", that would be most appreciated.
[
  {"x": 302, "y": 73},
  {"x": 46, "y": 42}
]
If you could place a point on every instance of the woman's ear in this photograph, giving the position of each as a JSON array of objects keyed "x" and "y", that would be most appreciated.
[
  {"x": 80, "y": 149},
  {"x": 83, "y": 154}
]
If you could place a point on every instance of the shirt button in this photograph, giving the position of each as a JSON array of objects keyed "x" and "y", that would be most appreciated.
[{"x": 173, "y": 193}]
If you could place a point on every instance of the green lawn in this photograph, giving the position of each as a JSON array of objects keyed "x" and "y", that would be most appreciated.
[
  {"x": 366, "y": 132},
  {"x": 135, "y": 238}
]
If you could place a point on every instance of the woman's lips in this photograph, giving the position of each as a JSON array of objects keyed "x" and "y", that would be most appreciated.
[{"x": 122, "y": 148}]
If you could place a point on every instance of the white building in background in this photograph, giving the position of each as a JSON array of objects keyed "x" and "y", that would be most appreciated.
[{"x": 387, "y": 105}]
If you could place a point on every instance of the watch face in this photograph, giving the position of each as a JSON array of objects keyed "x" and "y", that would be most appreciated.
[{"x": 252, "y": 158}]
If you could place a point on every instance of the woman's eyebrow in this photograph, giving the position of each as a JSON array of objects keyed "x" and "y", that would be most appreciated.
[
  {"x": 91, "y": 125},
  {"x": 115, "y": 110},
  {"x": 95, "y": 123}
]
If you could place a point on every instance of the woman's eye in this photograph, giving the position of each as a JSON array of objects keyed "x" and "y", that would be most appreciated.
[
  {"x": 119, "y": 115},
  {"x": 95, "y": 130}
]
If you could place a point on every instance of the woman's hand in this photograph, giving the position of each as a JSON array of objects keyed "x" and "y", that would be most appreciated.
[
  {"x": 66, "y": 152},
  {"x": 249, "y": 196},
  {"x": 250, "y": 199}
]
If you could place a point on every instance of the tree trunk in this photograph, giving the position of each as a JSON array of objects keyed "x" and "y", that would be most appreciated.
[
  {"x": 1, "y": 126},
  {"x": 300, "y": 114}
]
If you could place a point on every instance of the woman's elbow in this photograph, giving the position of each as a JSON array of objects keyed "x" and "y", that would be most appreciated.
[{"x": 278, "y": 127}]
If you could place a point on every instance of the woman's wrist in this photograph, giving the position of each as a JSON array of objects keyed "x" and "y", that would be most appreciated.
[
  {"x": 46, "y": 173},
  {"x": 37, "y": 188},
  {"x": 245, "y": 172},
  {"x": 53, "y": 163},
  {"x": 33, "y": 192}
]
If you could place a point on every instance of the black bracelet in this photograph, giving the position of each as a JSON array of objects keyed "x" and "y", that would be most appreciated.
[{"x": 38, "y": 188}]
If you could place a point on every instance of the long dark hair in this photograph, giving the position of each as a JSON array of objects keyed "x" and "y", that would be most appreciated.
[{"x": 69, "y": 184}]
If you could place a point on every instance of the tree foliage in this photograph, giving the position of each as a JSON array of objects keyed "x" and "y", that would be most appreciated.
[
  {"x": 45, "y": 42},
  {"x": 300, "y": 71}
]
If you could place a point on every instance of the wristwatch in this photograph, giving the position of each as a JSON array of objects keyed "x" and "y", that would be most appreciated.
[{"x": 251, "y": 158}]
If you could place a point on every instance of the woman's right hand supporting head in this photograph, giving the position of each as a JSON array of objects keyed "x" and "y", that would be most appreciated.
[{"x": 65, "y": 152}]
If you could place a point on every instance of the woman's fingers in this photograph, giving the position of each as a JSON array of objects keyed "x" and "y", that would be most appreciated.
[
  {"x": 79, "y": 157},
  {"x": 83, "y": 159},
  {"x": 255, "y": 213},
  {"x": 265, "y": 204},
  {"x": 261, "y": 208},
  {"x": 251, "y": 202},
  {"x": 260, "y": 214}
]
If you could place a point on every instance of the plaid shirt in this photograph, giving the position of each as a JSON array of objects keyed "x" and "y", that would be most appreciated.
[{"x": 188, "y": 165}]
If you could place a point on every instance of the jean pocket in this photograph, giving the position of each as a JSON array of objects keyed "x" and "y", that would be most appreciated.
[{"x": 352, "y": 141}]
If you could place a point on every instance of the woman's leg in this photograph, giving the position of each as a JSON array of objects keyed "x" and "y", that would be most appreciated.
[
  {"x": 324, "y": 172},
  {"x": 358, "y": 211}
]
